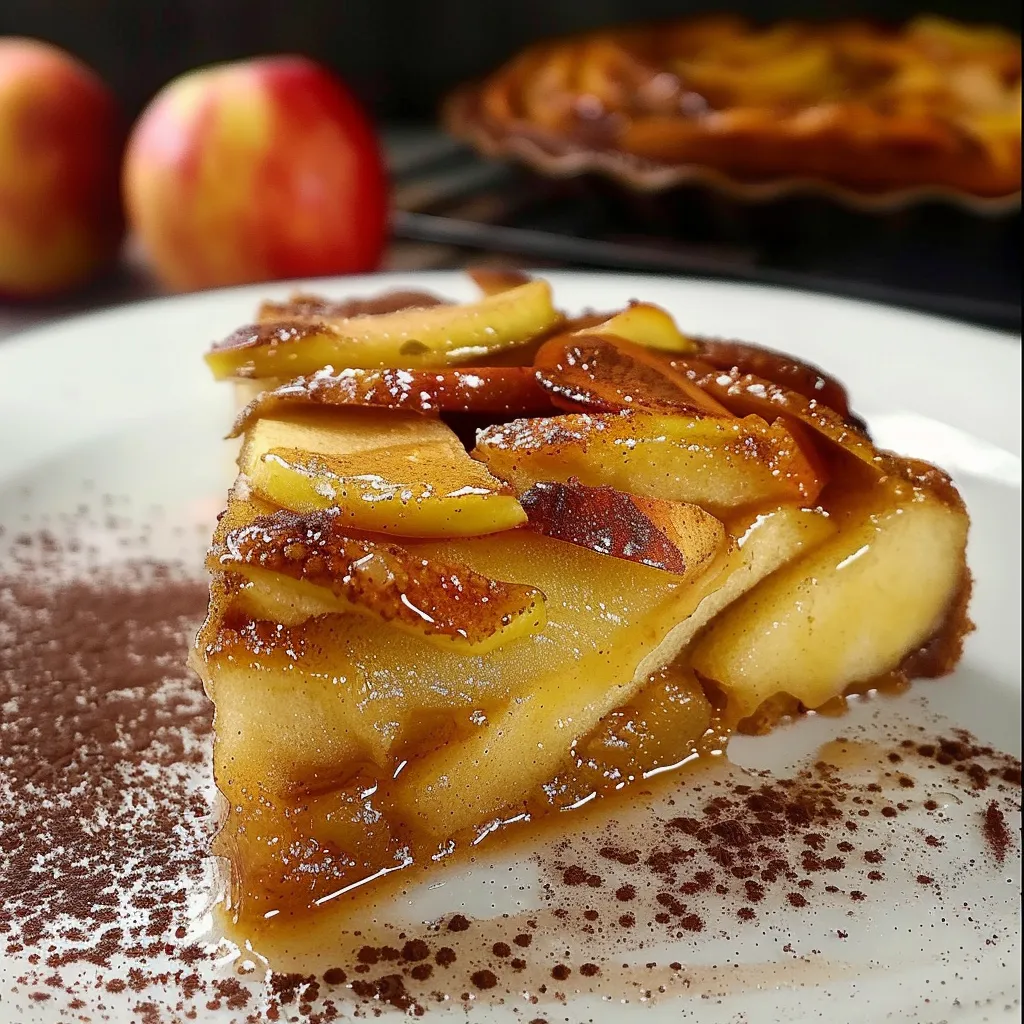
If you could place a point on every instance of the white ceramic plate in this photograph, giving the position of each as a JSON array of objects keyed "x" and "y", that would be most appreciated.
[{"x": 122, "y": 398}]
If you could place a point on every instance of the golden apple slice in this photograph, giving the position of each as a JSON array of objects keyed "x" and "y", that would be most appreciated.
[
  {"x": 494, "y": 391},
  {"x": 456, "y": 787},
  {"x": 610, "y": 375},
  {"x": 715, "y": 463},
  {"x": 305, "y": 305},
  {"x": 301, "y": 566},
  {"x": 384, "y": 472},
  {"x": 760, "y": 544},
  {"x": 598, "y": 626},
  {"x": 850, "y": 611},
  {"x": 435, "y": 336},
  {"x": 648, "y": 325},
  {"x": 671, "y": 535}
]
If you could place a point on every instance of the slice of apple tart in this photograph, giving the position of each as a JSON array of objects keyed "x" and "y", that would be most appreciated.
[{"x": 482, "y": 561}]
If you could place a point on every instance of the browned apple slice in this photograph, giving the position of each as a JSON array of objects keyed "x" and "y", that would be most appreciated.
[
  {"x": 715, "y": 463},
  {"x": 787, "y": 371},
  {"x": 492, "y": 280},
  {"x": 608, "y": 374},
  {"x": 434, "y": 336},
  {"x": 681, "y": 539},
  {"x": 853, "y": 608},
  {"x": 745, "y": 394},
  {"x": 493, "y": 391},
  {"x": 299, "y": 567},
  {"x": 302, "y": 304}
]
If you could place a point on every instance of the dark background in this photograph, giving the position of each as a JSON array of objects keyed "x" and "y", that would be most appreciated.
[{"x": 400, "y": 57}]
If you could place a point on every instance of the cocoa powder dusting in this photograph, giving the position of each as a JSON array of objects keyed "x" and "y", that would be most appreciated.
[
  {"x": 104, "y": 761},
  {"x": 997, "y": 835},
  {"x": 97, "y": 859},
  {"x": 103, "y": 834}
]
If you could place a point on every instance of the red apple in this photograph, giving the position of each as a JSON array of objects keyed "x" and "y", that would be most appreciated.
[
  {"x": 60, "y": 150},
  {"x": 255, "y": 171}
]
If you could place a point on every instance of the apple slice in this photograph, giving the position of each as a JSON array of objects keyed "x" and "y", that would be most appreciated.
[
  {"x": 302, "y": 304},
  {"x": 358, "y": 679},
  {"x": 384, "y": 472},
  {"x": 494, "y": 280},
  {"x": 302, "y": 566},
  {"x": 850, "y": 611},
  {"x": 784, "y": 370},
  {"x": 715, "y": 463},
  {"x": 671, "y": 535},
  {"x": 610, "y": 375},
  {"x": 434, "y": 336},
  {"x": 746, "y": 394},
  {"x": 495, "y": 391},
  {"x": 457, "y": 786},
  {"x": 645, "y": 324},
  {"x": 761, "y": 544}
]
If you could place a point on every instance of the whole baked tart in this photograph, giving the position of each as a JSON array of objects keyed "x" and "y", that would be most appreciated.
[
  {"x": 483, "y": 562},
  {"x": 932, "y": 105}
]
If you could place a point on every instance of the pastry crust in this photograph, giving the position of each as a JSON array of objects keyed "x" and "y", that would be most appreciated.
[{"x": 873, "y": 111}]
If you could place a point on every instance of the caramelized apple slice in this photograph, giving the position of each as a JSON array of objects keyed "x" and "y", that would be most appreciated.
[
  {"x": 495, "y": 391},
  {"x": 302, "y": 304},
  {"x": 387, "y": 473},
  {"x": 434, "y": 336},
  {"x": 452, "y": 789},
  {"x": 746, "y": 394},
  {"x": 648, "y": 325},
  {"x": 671, "y": 535},
  {"x": 760, "y": 544},
  {"x": 784, "y": 370},
  {"x": 494, "y": 280},
  {"x": 302, "y": 566},
  {"x": 717, "y": 464},
  {"x": 848, "y": 612},
  {"x": 609, "y": 375}
]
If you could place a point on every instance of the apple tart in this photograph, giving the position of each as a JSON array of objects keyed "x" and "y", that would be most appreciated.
[
  {"x": 484, "y": 561},
  {"x": 864, "y": 109}
]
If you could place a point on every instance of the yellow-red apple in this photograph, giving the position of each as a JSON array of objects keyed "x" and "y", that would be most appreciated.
[
  {"x": 255, "y": 171},
  {"x": 60, "y": 149}
]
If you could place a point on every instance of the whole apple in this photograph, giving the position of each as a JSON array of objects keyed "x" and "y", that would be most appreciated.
[
  {"x": 61, "y": 135},
  {"x": 255, "y": 171}
]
